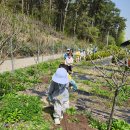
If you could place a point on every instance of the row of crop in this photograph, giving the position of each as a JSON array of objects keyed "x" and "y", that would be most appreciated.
[
  {"x": 104, "y": 90},
  {"x": 21, "y": 111},
  {"x": 25, "y": 78}
]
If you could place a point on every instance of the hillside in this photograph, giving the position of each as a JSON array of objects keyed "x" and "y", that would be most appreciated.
[
  {"x": 30, "y": 27},
  {"x": 29, "y": 37}
]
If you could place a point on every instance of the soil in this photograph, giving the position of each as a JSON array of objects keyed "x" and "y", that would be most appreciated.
[
  {"x": 76, "y": 122},
  {"x": 69, "y": 122},
  {"x": 45, "y": 79},
  {"x": 105, "y": 88}
]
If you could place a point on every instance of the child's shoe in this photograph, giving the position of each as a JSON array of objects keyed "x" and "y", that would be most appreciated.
[
  {"x": 57, "y": 121},
  {"x": 61, "y": 117}
]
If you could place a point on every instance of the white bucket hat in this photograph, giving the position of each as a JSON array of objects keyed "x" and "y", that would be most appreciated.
[{"x": 60, "y": 76}]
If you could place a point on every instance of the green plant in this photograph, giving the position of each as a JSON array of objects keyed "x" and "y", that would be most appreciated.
[
  {"x": 26, "y": 78},
  {"x": 120, "y": 125},
  {"x": 20, "y": 107},
  {"x": 71, "y": 111},
  {"x": 116, "y": 124},
  {"x": 14, "y": 116},
  {"x": 100, "y": 92},
  {"x": 59, "y": 128},
  {"x": 98, "y": 55}
]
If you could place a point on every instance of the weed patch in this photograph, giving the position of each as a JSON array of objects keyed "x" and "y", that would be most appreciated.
[
  {"x": 21, "y": 108},
  {"x": 25, "y": 78}
]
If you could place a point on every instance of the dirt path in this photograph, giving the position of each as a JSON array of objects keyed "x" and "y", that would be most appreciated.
[{"x": 21, "y": 63}]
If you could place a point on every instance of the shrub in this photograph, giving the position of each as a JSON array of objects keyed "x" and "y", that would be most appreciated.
[{"x": 97, "y": 55}]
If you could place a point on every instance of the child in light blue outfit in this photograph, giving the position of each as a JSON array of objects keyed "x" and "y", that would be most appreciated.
[
  {"x": 58, "y": 93},
  {"x": 71, "y": 81}
]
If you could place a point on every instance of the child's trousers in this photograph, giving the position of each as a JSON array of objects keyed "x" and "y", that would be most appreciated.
[{"x": 60, "y": 108}]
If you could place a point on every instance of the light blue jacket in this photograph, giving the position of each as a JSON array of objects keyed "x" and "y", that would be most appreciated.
[{"x": 58, "y": 92}]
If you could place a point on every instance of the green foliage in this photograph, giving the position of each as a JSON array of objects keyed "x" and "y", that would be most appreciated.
[
  {"x": 74, "y": 120},
  {"x": 19, "y": 107},
  {"x": 100, "y": 92},
  {"x": 59, "y": 128},
  {"x": 87, "y": 82},
  {"x": 121, "y": 38},
  {"x": 87, "y": 20},
  {"x": 124, "y": 94},
  {"x": 117, "y": 52},
  {"x": 111, "y": 40},
  {"x": 120, "y": 125},
  {"x": 116, "y": 124},
  {"x": 85, "y": 30},
  {"x": 25, "y": 78},
  {"x": 98, "y": 55},
  {"x": 22, "y": 112},
  {"x": 71, "y": 111},
  {"x": 94, "y": 123}
]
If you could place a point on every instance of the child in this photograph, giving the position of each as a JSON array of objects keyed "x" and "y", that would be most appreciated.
[
  {"x": 58, "y": 93},
  {"x": 77, "y": 55},
  {"x": 66, "y": 54},
  {"x": 71, "y": 81},
  {"x": 69, "y": 61}
]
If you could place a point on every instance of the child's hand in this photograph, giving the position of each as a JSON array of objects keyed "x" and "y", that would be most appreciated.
[
  {"x": 74, "y": 89},
  {"x": 49, "y": 99}
]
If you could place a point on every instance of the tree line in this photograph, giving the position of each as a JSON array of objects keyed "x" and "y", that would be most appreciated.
[{"x": 90, "y": 20}]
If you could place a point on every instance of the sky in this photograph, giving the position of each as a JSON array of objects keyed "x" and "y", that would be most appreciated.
[{"x": 124, "y": 6}]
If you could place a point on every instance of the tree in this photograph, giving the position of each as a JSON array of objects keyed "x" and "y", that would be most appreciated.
[
  {"x": 117, "y": 79},
  {"x": 85, "y": 29},
  {"x": 121, "y": 38}
]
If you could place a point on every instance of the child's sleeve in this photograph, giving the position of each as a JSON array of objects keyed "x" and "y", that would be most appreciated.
[{"x": 73, "y": 84}]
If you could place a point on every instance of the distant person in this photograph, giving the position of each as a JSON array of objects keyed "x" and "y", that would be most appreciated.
[
  {"x": 66, "y": 54},
  {"x": 77, "y": 55},
  {"x": 83, "y": 54},
  {"x": 71, "y": 52},
  {"x": 69, "y": 62},
  {"x": 58, "y": 94}
]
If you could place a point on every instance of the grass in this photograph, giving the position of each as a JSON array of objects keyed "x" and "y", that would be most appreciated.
[
  {"x": 73, "y": 96},
  {"x": 14, "y": 111},
  {"x": 19, "y": 111},
  {"x": 116, "y": 124},
  {"x": 99, "y": 87},
  {"x": 71, "y": 111},
  {"x": 25, "y": 78}
]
